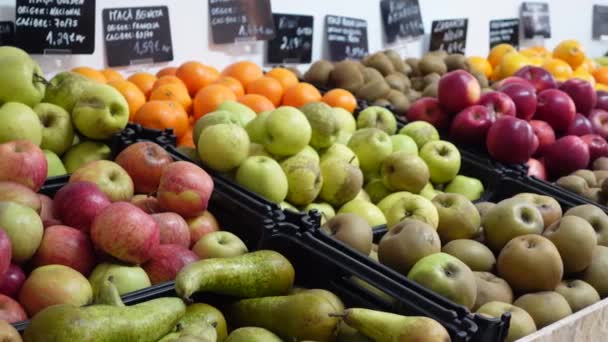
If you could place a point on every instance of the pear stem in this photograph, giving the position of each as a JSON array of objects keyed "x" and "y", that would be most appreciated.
[{"x": 340, "y": 315}]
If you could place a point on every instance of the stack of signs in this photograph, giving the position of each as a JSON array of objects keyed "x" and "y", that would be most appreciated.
[
  {"x": 7, "y": 33},
  {"x": 449, "y": 35},
  {"x": 401, "y": 18},
  {"x": 535, "y": 19},
  {"x": 240, "y": 20},
  {"x": 600, "y": 22},
  {"x": 504, "y": 31},
  {"x": 346, "y": 37},
  {"x": 293, "y": 40}
]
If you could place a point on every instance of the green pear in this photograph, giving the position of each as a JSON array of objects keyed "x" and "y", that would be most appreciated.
[
  {"x": 85, "y": 152},
  {"x": 341, "y": 152},
  {"x": 348, "y": 334},
  {"x": 325, "y": 209},
  {"x": 252, "y": 334},
  {"x": 210, "y": 119},
  {"x": 256, "y": 128},
  {"x": 366, "y": 210},
  {"x": 376, "y": 190},
  {"x": 19, "y": 122},
  {"x": 223, "y": 147},
  {"x": 324, "y": 127},
  {"x": 57, "y": 129},
  {"x": 145, "y": 322},
  {"x": 65, "y": 89},
  {"x": 21, "y": 80},
  {"x": 345, "y": 121},
  {"x": 378, "y": 117},
  {"x": 200, "y": 311},
  {"x": 402, "y": 142},
  {"x": 199, "y": 331},
  {"x": 55, "y": 166},
  {"x": 421, "y": 131},
  {"x": 100, "y": 112},
  {"x": 342, "y": 181},
  {"x": 371, "y": 146},
  {"x": 287, "y": 131},
  {"x": 108, "y": 294},
  {"x": 304, "y": 179},
  {"x": 264, "y": 176},
  {"x": 243, "y": 113}
]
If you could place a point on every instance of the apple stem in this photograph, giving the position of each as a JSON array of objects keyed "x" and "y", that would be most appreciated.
[
  {"x": 352, "y": 159},
  {"x": 41, "y": 79},
  {"x": 340, "y": 315}
]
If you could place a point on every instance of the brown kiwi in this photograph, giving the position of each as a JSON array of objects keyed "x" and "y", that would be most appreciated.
[
  {"x": 398, "y": 63},
  {"x": 346, "y": 75},
  {"x": 380, "y": 62},
  {"x": 371, "y": 74},
  {"x": 413, "y": 95},
  {"x": 382, "y": 102},
  {"x": 413, "y": 63},
  {"x": 372, "y": 91},
  {"x": 400, "y": 102},
  {"x": 318, "y": 73},
  {"x": 431, "y": 78},
  {"x": 457, "y": 61},
  {"x": 432, "y": 64},
  {"x": 395, "y": 82},
  {"x": 481, "y": 78},
  {"x": 418, "y": 83},
  {"x": 430, "y": 90}
]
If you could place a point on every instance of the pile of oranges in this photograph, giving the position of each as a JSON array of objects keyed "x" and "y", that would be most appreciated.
[{"x": 178, "y": 96}]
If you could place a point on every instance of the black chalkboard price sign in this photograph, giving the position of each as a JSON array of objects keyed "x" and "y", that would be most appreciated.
[
  {"x": 401, "y": 18},
  {"x": 504, "y": 31},
  {"x": 600, "y": 22},
  {"x": 535, "y": 19},
  {"x": 449, "y": 35},
  {"x": 55, "y": 26},
  {"x": 7, "y": 33},
  {"x": 134, "y": 35},
  {"x": 293, "y": 40},
  {"x": 240, "y": 20},
  {"x": 346, "y": 37}
]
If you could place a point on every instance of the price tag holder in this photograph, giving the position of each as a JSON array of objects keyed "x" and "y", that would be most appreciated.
[
  {"x": 504, "y": 31},
  {"x": 55, "y": 26},
  {"x": 600, "y": 22},
  {"x": 535, "y": 20},
  {"x": 346, "y": 37},
  {"x": 449, "y": 35},
  {"x": 136, "y": 35},
  {"x": 401, "y": 18},
  {"x": 7, "y": 33},
  {"x": 293, "y": 40},
  {"x": 240, "y": 20}
]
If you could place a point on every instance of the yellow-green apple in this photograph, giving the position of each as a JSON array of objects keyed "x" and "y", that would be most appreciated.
[
  {"x": 220, "y": 244},
  {"x": 582, "y": 93},
  {"x": 545, "y": 134},
  {"x": 8, "y": 332},
  {"x": 54, "y": 284},
  {"x": 523, "y": 95},
  {"x": 371, "y": 145},
  {"x": 15, "y": 192},
  {"x": 289, "y": 207},
  {"x": 470, "y": 187},
  {"x": 580, "y": 126},
  {"x": 366, "y": 210},
  {"x": 242, "y": 113},
  {"x": 126, "y": 278},
  {"x": 457, "y": 90},
  {"x": 341, "y": 181},
  {"x": 325, "y": 209},
  {"x": 167, "y": 261},
  {"x": 575, "y": 240},
  {"x": 377, "y": 117},
  {"x": 280, "y": 138},
  {"x": 429, "y": 191},
  {"x": 87, "y": 197},
  {"x": 213, "y": 118},
  {"x": 147, "y": 203},
  {"x": 223, "y": 147},
  {"x": 184, "y": 189},
  {"x": 12, "y": 282},
  {"x": 497, "y": 103},
  {"x": 403, "y": 171},
  {"x": 110, "y": 177},
  {"x": 54, "y": 165},
  {"x": 412, "y": 206},
  {"x": 8, "y": 50},
  {"x": 556, "y": 108},
  {"x": 421, "y": 131},
  {"x": 522, "y": 324},
  {"x": 596, "y": 273},
  {"x": 173, "y": 229},
  {"x": 265, "y": 177},
  {"x": 57, "y": 129},
  {"x": 24, "y": 227},
  {"x": 387, "y": 201},
  {"x": 548, "y": 207},
  {"x": 303, "y": 177},
  {"x": 341, "y": 152},
  {"x": 471, "y": 125},
  {"x": 599, "y": 121},
  {"x": 325, "y": 130},
  {"x": 447, "y": 276},
  {"x": 353, "y": 230},
  {"x": 428, "y": 109},
  {"x": 125, "y": 232},
  {"x": 539, "y": 77},
  {"x": 598, "y": 147},
  {"x": 11, "y": 311},
  {"x": 101, "y": 111},
  {"x": 46, "y": 211},
  {"x": 256, "y": 149},
  {"x": 346, "y": 124},
  {"x": 376, "y": 190},
  {"x": 404, "y": 143},
  {"x": 508, "y": 219},
  {"x": 144, "y": 162},
  {"x": 202, "y": 225},
  {"x": 458, "y": 217},
  {"x": 85, "y": 152},
  {"x": 65, "y": 89},
  {"x": 6, "y": 253},
  {"x": 310, "y": 153},
  {"x": 511, "y": 140},
  {"x": 63, "y": 245},
  {"x": 21, "y": 80},
  {"x": 566, "y": 155},
  {"x": 256, "y": 128},
  {"x": 19, "y": 122},
  {"x": 443, "y": 160}
]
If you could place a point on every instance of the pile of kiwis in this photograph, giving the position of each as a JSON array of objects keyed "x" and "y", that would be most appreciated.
[{"x": 384, "y": 78}]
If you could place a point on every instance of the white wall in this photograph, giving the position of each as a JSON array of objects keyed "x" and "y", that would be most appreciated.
[{"x": 191, "y": 37}]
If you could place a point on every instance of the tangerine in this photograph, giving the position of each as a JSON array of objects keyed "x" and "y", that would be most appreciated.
[
  {"x": 340, "y": 98},
  {"x": 267, "y": 87},
  {"x": 144, "y": 81},
  {"x": 243, "y": 71},
  {"x": 160, "y": 114},
  {"x": 173, "y": 92},
  {"x": 196, "y": 76},
  {"x": 232, "y": 83},
  {"x": 209, "y": 98},
  {"x": 257, "y": 103},
  {"x": 91, "y": 73},
  {"x": 301, "y": 94},
  {"x": 285, "y": 76}
]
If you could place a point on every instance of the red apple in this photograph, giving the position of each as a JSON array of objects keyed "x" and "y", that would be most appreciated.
[
  {"x": 498, "y": 103},
  {"x": 166, "y": 261},
  {"x": 536, "y": 168},
  {"x": 556, "y": 108},
  {"x": 15, "y": 192},
  {"x": 63, "y": 245},
  {"x": 428, "y": 109},
  {"x": 147, "y": 203},
  {"x": 6, "y": 253},
  {"x": 511, "y": 140},
  {"x": 12, "y": 282},
  {"x": 545, "y": 134},
  {"x": 24, "y": 163},
  {"x": 10, "y": 310},
  {"x": 202, "y": 225},
  {"x": 524, "y": 97},
  {"x": 599, "y": 121},
  {"x": 580, "y": 126},
  {"x": 602, "y": 99},
  {"x": 144, "y": 162},
  {"x": 598, "y": 147},
  {"x": 77, "y": 204},
  {"x": 173, "y": 229},
  {"x": 566, "y": 155},
  {"x": 125, "y": 232},
  {"x": 582, "y": 93},
  {"x": 46, "y": 211},
  {"x": 540, "y": 78},
  {"x": 471, "y": 125},
  {"x": 184, "y": 189},
  {"x": 457, "y": 90},
  {"x": 511, "y": 80}
]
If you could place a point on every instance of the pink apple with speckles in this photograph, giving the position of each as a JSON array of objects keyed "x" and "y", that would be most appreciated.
[
  {"x": 457, "y": 90},
  {"x": 167, "y": 261},
  {"x": 173, "y": 229},
  {"x": 23, "y": 163},
  {"x": 63, "y": 245},
  {"x": 184, "y": 189}
]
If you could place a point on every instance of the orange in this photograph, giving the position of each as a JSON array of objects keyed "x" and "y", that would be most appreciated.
[
  {"x": 481, "y": 65},
  {"x": 571, "y": 52},
  {"x": 286, "y": 77},
  {"x": 112, "y": 75},
  {"x": 144, "y": 81},
  {"x": 135, "y": 98},
  {"x": 257, "y": 103},
  {"x": 196, "y": 76},
  {"x": 600, "y": 86},
  {"x": 558, "y": 68},
  {"x": 173, "y": 92},
  {"x": 168, "y": 71},
  {"x": 511, "y": 62},
  {"x": 169, "y": 79},
  {"x": 498, "y": 52},
  {"x": 162, "y": 115},
  {"x": 91, "y": 73},
  {"x": 601, "y": 75},
  {"x": 589, "y": 65},
  {"x": 186, "y": 139},
  {"x": 209, "y": 98},
  {"x": 244, "y": 71},
  {"x": 232, "y": 83},
  {"x": 301, "y": 94},
  {"x": 340, "y": 98},
  {"x": 583, "y": 74},
  {"x": 268, "y": 87}
]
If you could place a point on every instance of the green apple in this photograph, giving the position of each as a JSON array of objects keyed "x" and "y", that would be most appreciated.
[
  {"x": 421, "y": 131},
  {"x": 376, "y": 190},
  {"x": 219, "y": 244},
  {"x": 404, "y": 143},
  {"x": 65, "y": 89},
  {"x": 8, "y": 51},
  {"x": 403, "y": 171},
  {"x": 210, "y": 119},
  {"x": 57, "y": 129},
  {"x": 243, "y": 113},
  {"x": 387, "y": 202},
  {"x": 343, "y": 137},
  {"x": 378, "y": 117},
  {"x": 325, "y": 209},
  {"x": 304, "y": 179},
  {"x": 310, "y": 152},
  {"x": 256, "y": 128},
  {"x": 415, "y": 207},
  {"x": 362, "y": 195},
  {"x": 371, "y": 146},
  {"x": 223, "y": 147},
  {"x": 342, "y": 181},
  {"x": 443, "y": 160},
  {"x": 470, "y": 187},
  {"x": 341, "y": 152},
  {"x": 23, "y": 227},
  {"x": 324, "y": 127},
  {"x": 100, "y": 112},
  {"x": 55, "y": 166},
  {"x": 126, "y": 278},
  {"x": 110, "y": 177},
  {"x": 257, "y": 150},
  {"x": 19, "y": 122},
  {"x": 428, "y": 191},
  {"x": 85, "y": 152},
  {"x": 191, "y": 153},
  {"x": 367, "y": 210},
  {"x": 287, "y": 132},
  {"x": 345, "y": 120},
  {"x": 288, "y": 206},
  {"x": 21, "y": 80},
  {"x": 264, "y": 176},
  {"x": 458, "y": 217}
]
